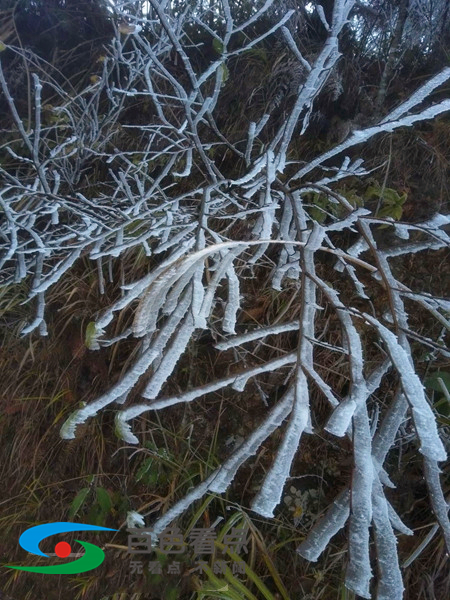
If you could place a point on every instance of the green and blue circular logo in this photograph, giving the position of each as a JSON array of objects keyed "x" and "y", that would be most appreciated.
[{"x": 93, "y": 555}]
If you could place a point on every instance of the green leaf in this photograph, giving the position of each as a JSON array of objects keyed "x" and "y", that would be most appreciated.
[
  {"x": 104, "y": 499},
  {"x": 78, "y": 502},
  {"x": 442, "y": 407},
  {"x": 2, "y": 46},
  {"x": 171, "y": 593},
  {"x": 148, "y": 472},
  {"x": 372, "y": 192},
  {"x": 217, "y": 46},
  {"x": 354, "y": 199},
  {"x": 394, "y": 211},
  {"x": 432, "y": 382},
  {"x": 224, "y": 72},
  {"x": 317, "y": 215},
  {"x": 390, "y": 196},
  {"x": 96, "y": 516},
  {"x": 90, "y": 334}
]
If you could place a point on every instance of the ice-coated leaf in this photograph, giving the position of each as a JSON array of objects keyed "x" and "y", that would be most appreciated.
[{"x": 271, "y": 490}]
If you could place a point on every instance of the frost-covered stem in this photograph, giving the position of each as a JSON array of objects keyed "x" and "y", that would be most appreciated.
[
  {"x": 219, "y": 480},
  {"x": 336, "y": 517},
  {"x": 390, "y": 583},
  {"x": 400, "y": 353},
  {"x": 238, "y": 380},
  {"x": 359, "y": 573},
  {"x": 385, "y": 436},
  {"x": 15, "y": 114},
  {"x": 391, "y": 122},
  {"x": 320, "y": 535},
  {"x": 316, "y": 78},
  {"x": 271, "y": 490},
  {"x": 132, "y": 376},
  {"x": 293, "y": 46},
  {"x": 257, "y": 15},
  {"x": 258, "y": 39},
  {"x": 341, "y": 417},
  {"x": 158, "y": 8},
  {"x": 424, "y": 420},
  {"x": 225, "y": 474}
]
